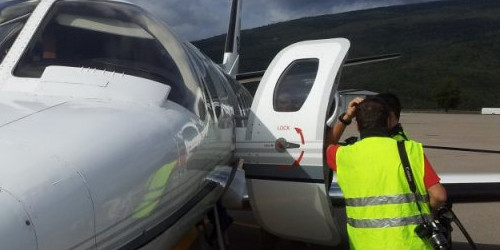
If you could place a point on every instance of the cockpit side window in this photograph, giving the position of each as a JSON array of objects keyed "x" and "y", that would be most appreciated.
[
  {"x": 242, "y": 100},
  {"x": 8, "y": 34},
  {"x": 13, "y": 16}
]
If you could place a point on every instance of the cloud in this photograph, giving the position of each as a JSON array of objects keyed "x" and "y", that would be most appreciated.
[
  {"x": 192, "y": 19},
  {"x": 197, "y": 19}
]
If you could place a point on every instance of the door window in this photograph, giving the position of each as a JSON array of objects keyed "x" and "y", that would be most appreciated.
[{"x": 294, "y": 85}]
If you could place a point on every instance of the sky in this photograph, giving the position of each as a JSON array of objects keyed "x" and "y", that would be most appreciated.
[{"x": 198, "y": 19}]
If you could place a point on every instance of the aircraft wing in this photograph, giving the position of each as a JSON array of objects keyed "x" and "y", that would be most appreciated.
[
  {"x": 254, "y": 76},
  {"x": 460, "y": 187}
]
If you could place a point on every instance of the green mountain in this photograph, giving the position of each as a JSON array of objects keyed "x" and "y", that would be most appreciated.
[{"x": 442, "y": 44}]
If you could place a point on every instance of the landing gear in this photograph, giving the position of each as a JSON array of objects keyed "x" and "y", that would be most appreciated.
[
  {"x": 212, "y": 231},
  {"x": 221, "y": 219}
]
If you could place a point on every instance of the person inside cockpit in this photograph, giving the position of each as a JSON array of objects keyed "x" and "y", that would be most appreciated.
[{"x": 49, "y": 46}]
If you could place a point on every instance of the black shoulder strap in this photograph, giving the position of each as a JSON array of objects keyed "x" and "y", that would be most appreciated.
[
  {"x": 406, "y": 166},
  {"x": 398, "y": 130},
  {"x": 409, "y": 174}
]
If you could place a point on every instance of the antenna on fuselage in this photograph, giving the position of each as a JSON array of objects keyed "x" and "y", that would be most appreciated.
[{"x": 232, "y": 48}]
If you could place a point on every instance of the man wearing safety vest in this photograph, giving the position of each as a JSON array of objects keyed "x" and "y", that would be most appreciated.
[{"x": 382, "y": 211}]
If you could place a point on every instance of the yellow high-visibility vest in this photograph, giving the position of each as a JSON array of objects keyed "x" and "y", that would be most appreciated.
[{"x": 382, "y": 212}]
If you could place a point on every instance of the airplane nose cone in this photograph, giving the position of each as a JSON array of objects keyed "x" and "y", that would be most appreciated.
[{"x": 16, "y": 229}]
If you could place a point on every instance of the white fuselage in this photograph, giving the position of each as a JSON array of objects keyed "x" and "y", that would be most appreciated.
[{"x": 113, "y": 153}]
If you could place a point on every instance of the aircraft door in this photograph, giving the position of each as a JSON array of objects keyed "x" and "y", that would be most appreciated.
[{"x": 283, "y": 145}]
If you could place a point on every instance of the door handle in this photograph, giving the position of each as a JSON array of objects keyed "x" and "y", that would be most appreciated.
[{"x": 281, "y": 145}]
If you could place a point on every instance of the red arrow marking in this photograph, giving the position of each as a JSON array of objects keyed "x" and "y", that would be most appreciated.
[
  {"x": 299, "y": 131},
  {"x": 297, "y": 162}
]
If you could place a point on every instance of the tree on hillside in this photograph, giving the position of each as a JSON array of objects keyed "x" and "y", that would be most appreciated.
[{"x": 447, "y": 94}]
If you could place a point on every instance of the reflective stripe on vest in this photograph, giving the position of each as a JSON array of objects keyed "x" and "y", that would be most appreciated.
[
  {"x": 386, "y": 199},
  {"x": 389, "y": 222}
]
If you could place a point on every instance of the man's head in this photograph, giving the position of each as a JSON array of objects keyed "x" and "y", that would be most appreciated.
[
  {"x": 393, "y": 103},
  {"x": 372, "y": 113}
]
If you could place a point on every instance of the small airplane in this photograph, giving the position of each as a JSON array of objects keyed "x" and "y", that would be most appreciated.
[{"x": 117, "y": 134}]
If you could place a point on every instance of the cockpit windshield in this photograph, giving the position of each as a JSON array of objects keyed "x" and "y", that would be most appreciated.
[{"x": 101, "y": 35}]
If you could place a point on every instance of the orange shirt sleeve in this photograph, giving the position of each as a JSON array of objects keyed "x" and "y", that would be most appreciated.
[
  {"x": 430, "y": 176},
  {"x": 331, "y": 156}
]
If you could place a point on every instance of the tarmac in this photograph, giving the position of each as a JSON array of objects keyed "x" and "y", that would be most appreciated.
[{"x": 462, "y": 130}]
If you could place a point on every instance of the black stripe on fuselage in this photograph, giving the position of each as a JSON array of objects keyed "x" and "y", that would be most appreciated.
[
  {"x": 305, "y": 174},
  {"x": 281, "y": 178},
  {"x": 163, "y": 226},
  {"x": 278, "y": 178}
]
